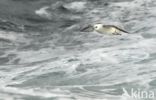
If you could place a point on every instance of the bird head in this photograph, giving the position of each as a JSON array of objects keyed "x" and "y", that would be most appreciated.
[{"x": 97, "y": 27}]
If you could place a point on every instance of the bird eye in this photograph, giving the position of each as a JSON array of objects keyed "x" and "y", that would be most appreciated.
[{"x": 96, "y": 27}]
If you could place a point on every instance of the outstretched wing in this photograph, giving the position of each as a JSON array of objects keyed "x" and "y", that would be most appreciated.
[
  {"x": 87, "y": 28},
  {"x": 116, "y": 28},
  {"x": 120, "y": 29}
]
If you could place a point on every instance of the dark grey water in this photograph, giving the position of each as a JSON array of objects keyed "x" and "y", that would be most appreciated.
[{"x": 45, "y": 56}]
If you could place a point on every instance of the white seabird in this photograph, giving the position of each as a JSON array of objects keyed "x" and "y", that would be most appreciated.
[
  {"x": 105, "y": 29},
  {"x": 108, "y": 29}
]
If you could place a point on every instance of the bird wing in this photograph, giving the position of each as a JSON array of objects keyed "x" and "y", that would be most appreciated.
[
  {"x": 87, "y": 28},
  {"x": 116, "y": 28},
  {"x": 120, "y": 29}
]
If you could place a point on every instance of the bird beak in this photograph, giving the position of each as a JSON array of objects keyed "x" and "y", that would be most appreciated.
[{"x": 88, "y": 28}]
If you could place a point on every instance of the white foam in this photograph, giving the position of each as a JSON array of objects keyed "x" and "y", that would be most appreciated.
[
  {"x": 132, "y": 4},
  {"x": 31, "y": 92},
  {"x": 43, "y": 12},
  {"x": 8, "y": 35},
  {"x": 97, "y": 55},
  {"x": 76, "y": 6},
  {"x": 6, "y": 97}
]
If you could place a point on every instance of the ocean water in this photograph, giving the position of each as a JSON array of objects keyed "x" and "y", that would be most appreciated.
[{"x": 45, "y": 56}]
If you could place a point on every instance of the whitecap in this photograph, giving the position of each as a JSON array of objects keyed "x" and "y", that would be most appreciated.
[
  {"x": 43, "y": 12},
  {"x": 75, "y": 6}
]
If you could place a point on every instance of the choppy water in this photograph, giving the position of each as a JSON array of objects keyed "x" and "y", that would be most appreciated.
[{"x": 45, "y": 56}]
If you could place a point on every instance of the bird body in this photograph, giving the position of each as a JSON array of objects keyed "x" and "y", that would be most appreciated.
[{"x": 108, "y": 29}]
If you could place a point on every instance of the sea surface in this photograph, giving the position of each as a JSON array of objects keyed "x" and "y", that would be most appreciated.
[{"x": 44, "y": 55}]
